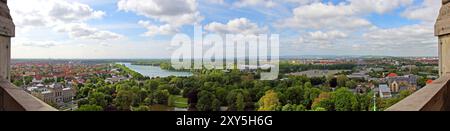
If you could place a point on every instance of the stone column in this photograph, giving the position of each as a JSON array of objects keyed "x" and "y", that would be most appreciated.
[
  {"x": 7, "y": 30},
  {"x": 442, "y": 30}
]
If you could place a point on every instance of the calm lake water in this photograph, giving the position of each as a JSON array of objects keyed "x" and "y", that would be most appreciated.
[{"x": 154, "y": 71}]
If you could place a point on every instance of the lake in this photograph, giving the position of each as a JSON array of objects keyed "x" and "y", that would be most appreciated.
[{"x": 154, "y": 71}]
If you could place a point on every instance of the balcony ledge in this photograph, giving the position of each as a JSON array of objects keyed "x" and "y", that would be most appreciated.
[
  {"x": 433, "y": 97},
  {"x": 16, "y": 99}
]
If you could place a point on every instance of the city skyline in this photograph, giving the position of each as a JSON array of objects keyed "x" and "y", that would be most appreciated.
[{"x": 135, "y": 29}]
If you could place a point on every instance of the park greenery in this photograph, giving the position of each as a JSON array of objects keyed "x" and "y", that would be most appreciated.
[
  {"x": 232, "y": 90},
  {"x": 163, "y": 64},
  {"x": 286, "y": 67}
]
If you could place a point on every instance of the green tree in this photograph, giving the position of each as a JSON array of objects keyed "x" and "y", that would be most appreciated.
[
  {"x": 90, "y": 108},
  {"x": 124, "y": 100},
  {"x": 309, "y": 96},
  {"x": 98, "y": 98},
  {"x": 207, "y": 102},
  {"x": 161, "y": 97},
  {"x": 288, "y": 107},
  {"x": 149, "y": 100},
  {"x": 404, "y": 93},
  {"x": 221, "y": 94},
  {"x": 140, "y": 108},
  {"x": 351, "y": 84},
  {"x": 171, "y": 101},
  {"x": 345, "y": 100},
  {"x": 319, "y": 109},
  {"x": 308, "y": 85},
  {"x": 18, "y": 83},
  {"x": 172, "y": 89},
  {"x": 177, "y": 82},
  {"x": 295, "y": 95},
  {"x": 341, "y": 80},
  {"x": 300, "y": 108},
  {"x": 232, "y": 97},
  {"x": 365, "y": 101},
  {"x": 151, "y": 85},
  {"x": 322, "y": 96},
  {"x": 240, "y": 104},
  {"x": 269, "y": 102},
  {"x": 82, "y": 102},
  {"x": 28, "y": 79}
]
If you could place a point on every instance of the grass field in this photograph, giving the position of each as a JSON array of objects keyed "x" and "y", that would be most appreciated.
[{"x": 179, "y": 102}]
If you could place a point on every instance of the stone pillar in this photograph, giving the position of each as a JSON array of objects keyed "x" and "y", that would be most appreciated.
[
  {"x": 442, "y": 30},
  {"x": 7, "y": 30}
]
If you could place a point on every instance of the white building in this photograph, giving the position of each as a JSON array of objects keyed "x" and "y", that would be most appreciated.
[{"x": 54, "y": 94}]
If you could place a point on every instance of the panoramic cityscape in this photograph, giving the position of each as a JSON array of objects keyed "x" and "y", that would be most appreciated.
[
  {"x": 224, "y": 55},
  {"x": 328, "y": 84}
]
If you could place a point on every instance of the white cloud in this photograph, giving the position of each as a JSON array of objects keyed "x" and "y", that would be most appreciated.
[
  {"x": 157, "y": 30},
  {"x": 344, "y": 15},
  {"x": 427, "y": 11},
  {"x": 322, "y": 39},
  {"x": 270, "y": 3},
  {"x": 330, "y": 35},
  {"x": 265, "y": 3},
  {"x": 73, "y": 12},
  {"x": 83, "y": 31},
  {"x": 378, "y": 6},
  {"x": 79, "y": 49},
  {"x": 171, "y": 14},
  {"x": 328, "y": 27},
  {"x": 404, "y": 36},
  {"x": 324, "y": 16},
  {"x": 216, "y": 1},
  {"x": 338, "y": 26},
  {"x": 302, "y": 2},
  {"x": 41, "y": 44},
  {"x": 409, "y": 40},
  {"x": 174, "y": 12},
  {"x": 240, "y": 26},
  {"x": 50, "y": 12},
  {"x": 65, "y": 16}
]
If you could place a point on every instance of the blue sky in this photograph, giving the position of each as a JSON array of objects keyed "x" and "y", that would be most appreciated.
[{"x": 143, "y": 28}]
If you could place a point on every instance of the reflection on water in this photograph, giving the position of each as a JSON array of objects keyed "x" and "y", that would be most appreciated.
[{"x": 154, "y": 71}]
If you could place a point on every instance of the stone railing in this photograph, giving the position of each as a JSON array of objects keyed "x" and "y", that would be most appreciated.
[
  {"x": 11, "y": 97},
  {"x": 16, "y": 99},
  {"x": 433, "y": 97}
]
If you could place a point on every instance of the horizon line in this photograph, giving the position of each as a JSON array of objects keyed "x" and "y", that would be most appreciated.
[{"x": 300, "y": 56}]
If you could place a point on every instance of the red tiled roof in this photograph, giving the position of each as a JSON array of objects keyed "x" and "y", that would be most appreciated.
[{"x": 392, "y": 75}]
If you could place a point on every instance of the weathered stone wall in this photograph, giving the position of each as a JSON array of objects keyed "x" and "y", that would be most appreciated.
[
  {"x": 7, "y": 27},
  {"x": 442, "y": 30},
  {"x": 5, "y": 55},
  {"x": 11, "y": 97},
  {"x": 6, "y": 32}
]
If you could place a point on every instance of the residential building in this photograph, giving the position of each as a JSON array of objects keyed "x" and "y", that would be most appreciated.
[
  {"x": 55, "y": 93},
  {"x": 399, "y": 83},
  {"x": 384, "y": 91}
]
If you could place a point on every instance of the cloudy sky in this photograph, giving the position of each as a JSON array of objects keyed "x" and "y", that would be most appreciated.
[{"x": 144, "y": 28}]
